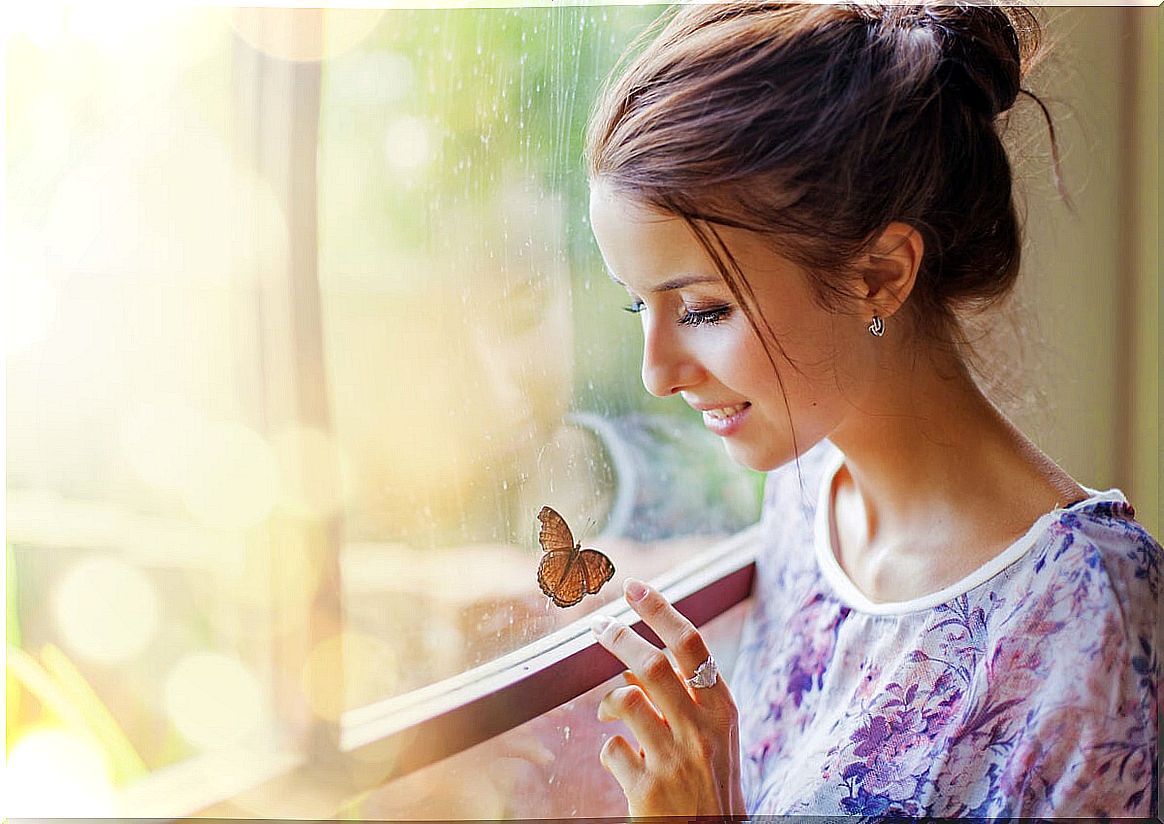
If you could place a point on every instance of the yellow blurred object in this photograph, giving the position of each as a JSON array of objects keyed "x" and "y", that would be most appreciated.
[{"x": 66, "y": 696}]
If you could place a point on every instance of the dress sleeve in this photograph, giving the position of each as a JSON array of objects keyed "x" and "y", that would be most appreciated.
[{"x": 1079, "y": 662}]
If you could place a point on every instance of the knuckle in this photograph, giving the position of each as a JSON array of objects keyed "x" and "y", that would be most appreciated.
[
  {"x": 631, "y": 698},
  {"x": 653, "y": 604},
  {"x": 618, "y": 633},
  {"x": 691, "y": 643},
  {"x": 657, "y": 666}
]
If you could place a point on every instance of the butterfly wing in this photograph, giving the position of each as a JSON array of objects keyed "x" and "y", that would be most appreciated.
[
  {"x": 560, "y": 579},
  {"x": 554, "y": 534},
  {"x": 596, "y": 569}
]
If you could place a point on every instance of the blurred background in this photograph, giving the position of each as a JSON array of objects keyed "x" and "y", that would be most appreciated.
[{"x": 304, "y": 324}]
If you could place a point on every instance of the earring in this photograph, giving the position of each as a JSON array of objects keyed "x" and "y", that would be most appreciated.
[{"x": 877, "y": 326}]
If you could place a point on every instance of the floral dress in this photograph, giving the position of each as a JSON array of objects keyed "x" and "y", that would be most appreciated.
[{"x": 1028, "y": 689}]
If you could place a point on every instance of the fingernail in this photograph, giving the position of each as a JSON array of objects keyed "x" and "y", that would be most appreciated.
[
  {"x": 599, "y": 623},
  {"x": 635, "y": 589}
]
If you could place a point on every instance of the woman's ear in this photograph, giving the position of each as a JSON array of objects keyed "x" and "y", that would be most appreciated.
[{"x": 889, "y": 269}]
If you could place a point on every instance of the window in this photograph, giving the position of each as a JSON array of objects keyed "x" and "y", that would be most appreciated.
[
  {"x": 478, "y": 365},
  {"x": 319, "y": 340}
]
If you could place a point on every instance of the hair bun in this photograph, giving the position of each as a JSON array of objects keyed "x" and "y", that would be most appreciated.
[{"x": 984, "y": 48}]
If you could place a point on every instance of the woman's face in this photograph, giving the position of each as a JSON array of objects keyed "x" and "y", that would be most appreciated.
[{"x": 699, "y": 344}]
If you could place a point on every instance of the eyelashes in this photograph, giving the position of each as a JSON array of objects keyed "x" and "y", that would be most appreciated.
[
  {"x": 690, "y": 317},
  {"x": 702, "y": 316}
]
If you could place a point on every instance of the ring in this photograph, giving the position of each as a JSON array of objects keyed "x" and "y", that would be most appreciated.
[{"x": 705, "y": 675}]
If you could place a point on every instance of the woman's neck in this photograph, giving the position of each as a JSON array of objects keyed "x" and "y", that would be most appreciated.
[{"x": 936, "y": 481}]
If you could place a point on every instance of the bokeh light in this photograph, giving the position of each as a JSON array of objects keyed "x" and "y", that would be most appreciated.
[
  {"x": 214, "y": 700},
  {"x": 107, "y": 610},
  {"x": 232, "y": 479},
  {"x": 57, "y": 773}
]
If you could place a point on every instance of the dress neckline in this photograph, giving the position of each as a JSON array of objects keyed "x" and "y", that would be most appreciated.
[{"x": 851, "y": 595}]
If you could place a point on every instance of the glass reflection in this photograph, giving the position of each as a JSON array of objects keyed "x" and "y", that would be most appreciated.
[{"x": 480, "y": 365}]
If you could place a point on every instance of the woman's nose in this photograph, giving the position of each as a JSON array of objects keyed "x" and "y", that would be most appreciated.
[{"x": 667, "y": 366}]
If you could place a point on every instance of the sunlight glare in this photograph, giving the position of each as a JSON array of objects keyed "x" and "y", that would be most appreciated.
[
  {"x": 55, "y": 773},
  {"x": 42, "y": 23}
]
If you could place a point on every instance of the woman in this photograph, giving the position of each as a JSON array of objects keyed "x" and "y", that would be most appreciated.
[{"x": 805, "y": 203}]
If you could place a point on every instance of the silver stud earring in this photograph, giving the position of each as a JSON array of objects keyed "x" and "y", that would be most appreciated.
[{"x": 877, "y": 326}]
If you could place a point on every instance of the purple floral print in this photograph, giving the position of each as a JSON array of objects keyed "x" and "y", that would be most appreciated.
[{"x": 1029, "y": 692}]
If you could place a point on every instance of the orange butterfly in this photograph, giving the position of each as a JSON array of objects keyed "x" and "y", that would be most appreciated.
[{"x": 567, "y": 572}]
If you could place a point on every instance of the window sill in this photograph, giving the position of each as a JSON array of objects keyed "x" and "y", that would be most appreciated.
[{"x": 413, "y": 730}]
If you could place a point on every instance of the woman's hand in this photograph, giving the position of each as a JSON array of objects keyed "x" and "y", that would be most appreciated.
[{"x": 688, "y": 759}]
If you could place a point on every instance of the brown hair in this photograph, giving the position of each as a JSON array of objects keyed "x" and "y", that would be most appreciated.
[{"x": 819, "y": 125}]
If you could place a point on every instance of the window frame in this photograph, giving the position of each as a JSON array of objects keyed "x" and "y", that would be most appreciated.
[{"x": 423, "y": 726}]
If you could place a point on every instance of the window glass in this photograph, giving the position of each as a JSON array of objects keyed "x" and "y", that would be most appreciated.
[
  {"x": 547, "y": 768},
  {"x": 480, "y": 364}
]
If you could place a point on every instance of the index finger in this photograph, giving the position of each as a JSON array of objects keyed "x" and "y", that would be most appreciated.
[{"x": 676, "y": 632}]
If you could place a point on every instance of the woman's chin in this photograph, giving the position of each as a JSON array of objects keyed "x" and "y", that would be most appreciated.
[
  {"x": 749, "y": 455},
  {"x": 762, "y": 458}
]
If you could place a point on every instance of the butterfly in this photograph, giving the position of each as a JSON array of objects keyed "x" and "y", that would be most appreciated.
[{"x": 567, "y": 572}]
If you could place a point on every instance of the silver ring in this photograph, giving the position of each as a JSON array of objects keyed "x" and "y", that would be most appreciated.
[{"x": 705, "y": 675}]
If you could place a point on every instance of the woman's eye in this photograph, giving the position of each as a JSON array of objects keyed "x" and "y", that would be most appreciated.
[
  {"x": 635, "y": 307},
  {"x": 697, "y": 317}
]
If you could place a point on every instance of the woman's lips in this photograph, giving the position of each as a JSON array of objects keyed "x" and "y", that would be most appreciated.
[{"x": 726, "y": 420}]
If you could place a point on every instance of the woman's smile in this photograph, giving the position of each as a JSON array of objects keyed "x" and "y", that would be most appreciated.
[{"x": 723, "y": 420}]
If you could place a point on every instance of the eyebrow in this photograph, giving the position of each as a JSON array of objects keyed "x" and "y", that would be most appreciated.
[{"x": 675, "y": 283}]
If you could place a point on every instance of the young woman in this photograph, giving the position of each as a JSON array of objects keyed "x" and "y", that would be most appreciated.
[{"x": 804, "y": 202}]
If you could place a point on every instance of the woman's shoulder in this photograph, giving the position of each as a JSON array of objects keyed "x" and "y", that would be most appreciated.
[
  {"x": 1103, "y": 534},
  {"x": 1092, "y": 568}
]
